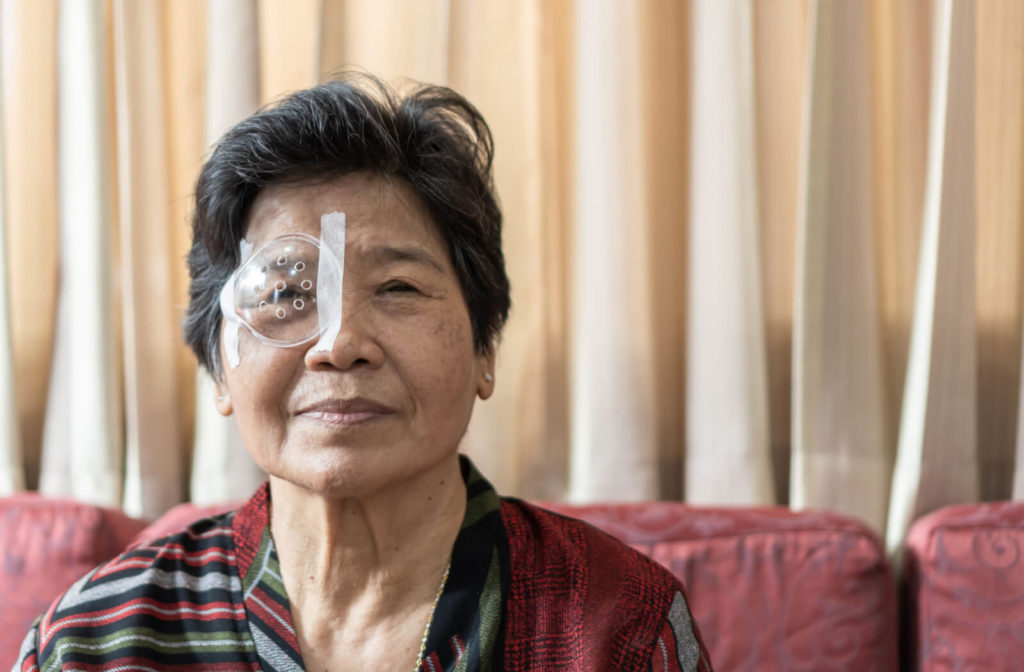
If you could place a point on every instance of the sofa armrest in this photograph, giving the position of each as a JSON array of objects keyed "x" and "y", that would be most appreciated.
[
  {"x": 45, "y": 545},
  {"x": 965, "y": 588}
]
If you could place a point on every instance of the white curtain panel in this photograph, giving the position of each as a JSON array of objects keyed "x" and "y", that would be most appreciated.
[
  {"x": 153, "y": 464},
  {"x": 81, "y": 442},
  {"x": 12, "y": 473},
  {"x": 840, "y": 460},
  {"x": 727, "y": 443},
  {"x": 936, "y": 462},
  {"x": 222, "y": 470},
  {"x": 611, "y": 385},
  {"x": 56, "y": 475}
]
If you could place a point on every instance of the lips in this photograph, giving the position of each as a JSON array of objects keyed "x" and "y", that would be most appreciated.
[{"x": 345, "y": 412}]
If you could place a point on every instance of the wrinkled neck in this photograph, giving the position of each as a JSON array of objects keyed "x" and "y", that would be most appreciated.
[{"x": 375, "y": 552}]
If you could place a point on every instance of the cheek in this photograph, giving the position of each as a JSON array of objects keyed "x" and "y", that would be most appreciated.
[
  {"x": 257, "y": 386},
  {"x": 446, "y": 358}
]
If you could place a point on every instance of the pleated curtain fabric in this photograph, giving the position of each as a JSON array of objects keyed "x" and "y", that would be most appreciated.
[
  {"x": 82, "y": 441},
  {"x": 30, "y": 157},
  {"x": 1000, "y": 244},
  {"x": 840, "y": 460},
  {"x": 289, "y": 46},
  {"x": 780, "y": 61},
  {"x": 12, "y": 471},
  {"x": 154, "y": 464},
  {"x": 611, "y": 370},
  {"x": 900, "y": 84},
  {"x": 728, "y": 442},
  {"x": 184, "y": 46},
  {"x": 530, "y": 374},
  {"x": 760, "y": 252},
  {"x": 936, "y": 462},
  {"x": 222, "y": 470},
  {"x": 396, "y": 40}
]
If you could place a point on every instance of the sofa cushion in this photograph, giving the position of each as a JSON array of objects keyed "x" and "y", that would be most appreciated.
[
  {"x": 45, "y": 545},
  {"x": 965, "y": 588},
  {"x": 771, "y": 589}
]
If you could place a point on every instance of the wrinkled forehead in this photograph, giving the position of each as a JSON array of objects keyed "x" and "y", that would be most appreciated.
[{"x": 371, "y": 203}]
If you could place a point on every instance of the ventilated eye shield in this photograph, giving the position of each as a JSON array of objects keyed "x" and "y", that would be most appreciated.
[{"x": 288, "y": 291}]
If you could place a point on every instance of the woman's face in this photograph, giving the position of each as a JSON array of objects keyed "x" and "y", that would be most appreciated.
[{"x": 392, "y": 398}]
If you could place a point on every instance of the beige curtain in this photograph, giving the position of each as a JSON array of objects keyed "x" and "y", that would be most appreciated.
[
  {"x": 153, "y": 457},
  {"x": 840, "y": 459},
  {"x": 761, "y": 251},
  {"x": 937, "y": 459},
  {"x": 222, "y": 470},
  {"x": 727, "y": 448},
  {"x": 82, "y": 444},
  {"x": 29, "y": 38},
  {"x": 611, "y": 374},
  {"x": 12, "y": 476}
]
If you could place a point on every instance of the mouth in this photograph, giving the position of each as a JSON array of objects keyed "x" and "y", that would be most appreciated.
[{"x": 345, "y": 412}]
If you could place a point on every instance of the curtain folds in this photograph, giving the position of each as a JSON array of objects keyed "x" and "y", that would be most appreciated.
[
  {"x": 289, "y": 46},
  {"x": 30, "y": 204},
  {"x": 840, "y": 460},
  {"x": 780, "y": 40},
  {"x": 222, "y": 470},
  {"x": 999, "y": 202},
  {"x": 611, "y": 378},
  {"x": 154, "y": 460},
  {"x": 760, "y": 252},
  {"x": 727, "y": 448},
  {"x": 12, "y": 472},
  {"x": 82, "y": 445},
  {"x": 530, "y": 370},
  {"x": 936, "y": 462}
]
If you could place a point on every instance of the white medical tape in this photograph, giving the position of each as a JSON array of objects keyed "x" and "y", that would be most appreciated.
[
  {"x": 227, "y": 307},
  {"x": 329, "y": 282}
]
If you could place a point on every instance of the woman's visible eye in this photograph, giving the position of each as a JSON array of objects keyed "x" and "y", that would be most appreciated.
[{"x": 399, "y": 288}]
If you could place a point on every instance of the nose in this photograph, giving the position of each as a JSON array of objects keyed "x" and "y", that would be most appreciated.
[{"x": 356, "y": 345}]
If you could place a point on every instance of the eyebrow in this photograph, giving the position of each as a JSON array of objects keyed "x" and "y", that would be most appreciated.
[{"x": 389, "y": 254}]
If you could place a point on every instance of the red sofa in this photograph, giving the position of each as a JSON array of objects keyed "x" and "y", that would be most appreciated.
[
  {"x": 964, "y": 589},
  {"x": 46, "y": 544},
  {"x": 770, "y": 588}
]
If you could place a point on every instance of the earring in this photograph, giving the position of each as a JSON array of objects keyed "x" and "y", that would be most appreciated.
[{"x": 488, "y": 377}]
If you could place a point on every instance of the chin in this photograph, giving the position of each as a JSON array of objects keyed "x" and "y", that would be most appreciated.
[{"x": 340, "y": 474}]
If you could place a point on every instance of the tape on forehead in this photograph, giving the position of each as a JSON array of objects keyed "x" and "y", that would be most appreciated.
[
  {"x": 329, "y": 283},
  {"x": 230, "y": 327}
]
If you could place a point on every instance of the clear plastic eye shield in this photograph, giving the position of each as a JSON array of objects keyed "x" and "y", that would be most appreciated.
[{"x": 288, "y": 291}]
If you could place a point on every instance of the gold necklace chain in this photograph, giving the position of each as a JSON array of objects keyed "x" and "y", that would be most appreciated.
[{"x": 430, "y": 619}]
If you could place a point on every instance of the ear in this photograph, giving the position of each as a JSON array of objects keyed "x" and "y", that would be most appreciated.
[
  {"x": 485, "y": 371},
  {"x": 223, "y": 400}
]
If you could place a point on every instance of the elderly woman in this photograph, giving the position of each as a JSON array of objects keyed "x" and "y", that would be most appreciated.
[{"x": 348, "y": 289}]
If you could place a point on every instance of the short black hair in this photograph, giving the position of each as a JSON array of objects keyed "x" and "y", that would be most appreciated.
[{"x": 431, "y": 137}]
